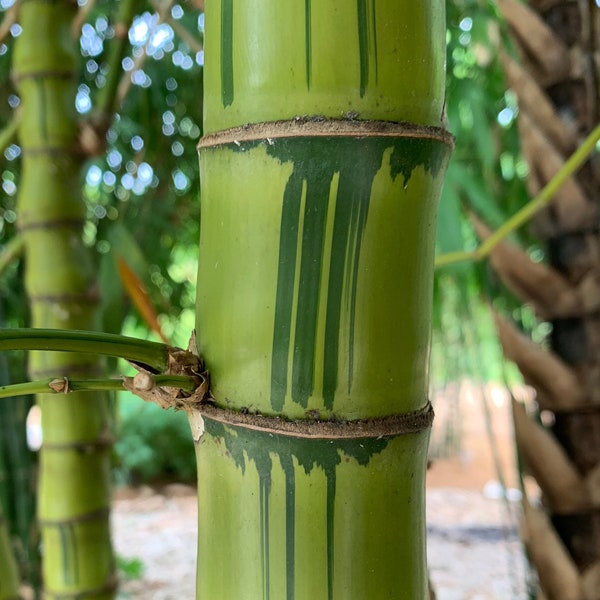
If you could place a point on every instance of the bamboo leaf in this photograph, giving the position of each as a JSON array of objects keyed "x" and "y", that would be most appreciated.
[
  {"x": 137, "y": 292},
  {"x": 145, "y": 352}
]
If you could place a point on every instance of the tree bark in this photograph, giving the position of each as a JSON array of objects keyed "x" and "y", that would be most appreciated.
[{"x": 559, "y": 104}]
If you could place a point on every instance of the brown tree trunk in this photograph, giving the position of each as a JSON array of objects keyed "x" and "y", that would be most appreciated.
[{"x": 556, "y": 81}]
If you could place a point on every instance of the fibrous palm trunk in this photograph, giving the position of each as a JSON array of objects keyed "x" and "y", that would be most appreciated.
[
  {"x": 321, "y": 166},
  {"x": 559, "y": 95},
  {"x": 75, "y": 457}
]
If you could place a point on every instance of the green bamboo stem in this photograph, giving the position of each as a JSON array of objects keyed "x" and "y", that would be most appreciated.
[
  {"x": 525, "y": 214},
  {"x": 152, "y": 354},
  {"x": 64, "y": 385},
  {"x": 74, "y": 486},
  {"x": 321, "y": 168}
]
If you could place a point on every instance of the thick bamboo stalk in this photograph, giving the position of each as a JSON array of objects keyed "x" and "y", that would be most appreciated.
[
  {"x": 314, "y": 296},
  {"x": 74, "y": 490}
]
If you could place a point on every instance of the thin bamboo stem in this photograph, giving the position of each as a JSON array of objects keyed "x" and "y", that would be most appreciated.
[
  {"x": 11, "y": 251},
  {"x": 152, "y": 354},
  {"x": 9, "y": 134},
  {"x": 522, "y": 216},
  {"x": 64, "y": 385}
]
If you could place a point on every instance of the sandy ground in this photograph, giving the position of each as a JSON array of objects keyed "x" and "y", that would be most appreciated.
[{"x": 473, "y": 547}]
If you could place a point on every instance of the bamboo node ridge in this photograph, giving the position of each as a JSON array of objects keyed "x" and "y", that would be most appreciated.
[
  {"x": 375, "y": 428},
  {"x": 322, "y": 127}
]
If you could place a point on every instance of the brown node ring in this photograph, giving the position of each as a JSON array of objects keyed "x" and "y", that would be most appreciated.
[{"x": 379, "y": 427}]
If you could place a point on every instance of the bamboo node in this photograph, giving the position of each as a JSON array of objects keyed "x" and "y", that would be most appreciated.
[
  {"x": 60, "y": 385},
  {"x": 180, "y": 362},
  {"x": 322, "y": 127},
  {"x": 375, "y": 428}
]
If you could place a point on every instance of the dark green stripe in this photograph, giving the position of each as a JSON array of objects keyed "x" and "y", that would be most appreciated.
[
  {"x": 358, "y": 229},
  {"x": 288, "y": 241},
  {"x": 337, "y": 268},
  {"x": 308, "y": 40},
  {"x": 315, "y": 215},
  {"x": 287, "y": 465},
  {"x": 227, "y": 52},
  {"x": 317, "y": 165},
  {"x": 43, "y": 117},
  {"x": 264, "y": 534},
  {"x": 363, "y": 44},
  {"x": 374, "y": 32},
  {"x": 352, "y": 206},
  {"x": 367, "y": 40},
  {"x": 70, "y": 573}
]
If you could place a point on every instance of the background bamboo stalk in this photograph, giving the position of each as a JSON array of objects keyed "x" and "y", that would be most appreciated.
[{"x": 74, "y": 490}]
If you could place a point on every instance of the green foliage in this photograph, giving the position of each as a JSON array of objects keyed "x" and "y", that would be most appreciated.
[
  {"x": 130, "y": 568},
  {"x": 153, "y": 444},
  {"x": 486, "y": 176}
]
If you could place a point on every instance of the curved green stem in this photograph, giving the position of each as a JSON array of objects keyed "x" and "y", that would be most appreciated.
[
  {"x": 57, "y": 385},
  {"x": 9, "y": 134},
  {"x": 12, "y": 250},
  {"x": 151, "y": 354},
  {"x": 530, "y": 209}
]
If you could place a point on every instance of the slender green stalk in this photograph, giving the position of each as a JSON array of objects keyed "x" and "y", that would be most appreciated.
[
  {"x": 521, "y": 217},
  {"x": 9, "y": 134},
  {"x": 152, "y": 354},
  {"x": 65, "y": 385},
  {"x": 74, "y": 486}
]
